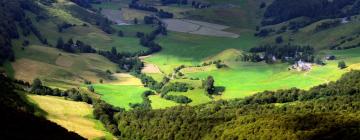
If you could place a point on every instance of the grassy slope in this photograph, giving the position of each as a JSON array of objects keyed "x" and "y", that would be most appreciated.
[
  {"x": 74, "y": 116},
  {"x": 323, "y": 39},
  {"x": 90, "y": 35},
  {"x": 56, "y": 70}
]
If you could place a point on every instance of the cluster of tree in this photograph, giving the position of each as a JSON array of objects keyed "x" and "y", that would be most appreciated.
[
  {"x": 146, "y": 104},
  {"x": 164, "y": 14},
  {"x": 327, "y": 25},
  {"x": 72, "y": 47},
  {"x": 284, "y": 10},
  {"x": 208, "y": 85},
  {"x": 286, "y": 53},
  {"x": 180, "y": 2},
  {"x": 345, "y": 39},
  {"x": 178, "y": 98},
  {"x": 148, "y": 40},
  {"x": 128, "y": 62},
  {"x": 18, "y": 116},
  {"x": 38, "y": 88},
  {"x": 199, "y": 5},
  {"x": 149, "y": 82},
  {"x": 328, "y": 111},
  {"x": 160, "y": 13}
]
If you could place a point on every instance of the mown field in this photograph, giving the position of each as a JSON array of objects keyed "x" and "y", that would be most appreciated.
[{"x": 74, "y": 116}]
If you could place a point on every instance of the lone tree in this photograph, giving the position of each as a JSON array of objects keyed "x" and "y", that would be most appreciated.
[
  {"x": 209, "y": 85},
  {"x": 36, "y": 84},
  {"x": 342, "y": 65},
  {"x": 60, "y": 43},
  {"x": 279, "y": 40}
]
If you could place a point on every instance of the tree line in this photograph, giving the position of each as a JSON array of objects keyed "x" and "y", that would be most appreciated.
[
  {"x": 286, "y": 53},
  {"x": 135, "y": 4}
]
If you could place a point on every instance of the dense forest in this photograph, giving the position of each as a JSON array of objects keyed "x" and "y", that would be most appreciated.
[{"x": 284, "y": 10}]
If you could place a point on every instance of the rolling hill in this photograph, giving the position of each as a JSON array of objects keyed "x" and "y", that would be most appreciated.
[{"x": 183, "y": 69}]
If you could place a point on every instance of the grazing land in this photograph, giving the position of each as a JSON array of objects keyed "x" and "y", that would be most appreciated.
[
  {"x": 120, "y": 95},
  {"x": 74, "y": 116},
  {"x": 60, "y": 69}
]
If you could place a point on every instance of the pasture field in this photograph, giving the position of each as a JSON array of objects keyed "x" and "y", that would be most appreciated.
[
  {"x": 120, "y": 95},
  {"x": 74, "y": 116},
  {"x": 188, "y": 49},
  {"x": 59, "y": 69}
]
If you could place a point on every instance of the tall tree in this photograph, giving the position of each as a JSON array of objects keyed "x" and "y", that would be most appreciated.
[
  {"x": 209, "y": 85},
  {"x": 60, "y": 43}
]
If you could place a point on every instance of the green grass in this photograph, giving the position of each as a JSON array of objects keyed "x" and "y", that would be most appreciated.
[
  {"x": 120, "y": 95},
  {"x": 93, "y": 36},
  {"x": 188, "y": 49},
  {"x": 244, "y": 79},
  {"x": 159, "y": 103},
  {"x": 62, "y": 71},
  {"x": 74, "y": 116},
  {"x": 197, "y": 96}
]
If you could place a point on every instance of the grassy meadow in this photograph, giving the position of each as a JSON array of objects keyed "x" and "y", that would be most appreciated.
[
  {"x": 57, "y": 68},
  {"x": 74, "y": 116},
  {"x": 120, "y": 95}
]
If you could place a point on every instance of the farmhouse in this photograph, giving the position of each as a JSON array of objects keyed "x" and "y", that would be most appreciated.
[{"x": 301, "y": 66}]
